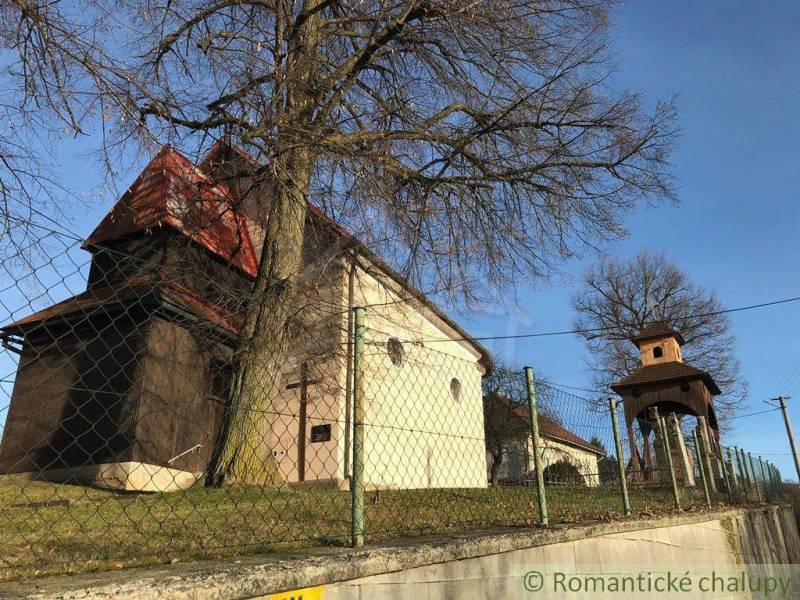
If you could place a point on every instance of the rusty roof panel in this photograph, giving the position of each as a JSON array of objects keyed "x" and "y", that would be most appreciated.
[
  {"x": 95, "y": 298},
  {"x": 172, "y": 192}
]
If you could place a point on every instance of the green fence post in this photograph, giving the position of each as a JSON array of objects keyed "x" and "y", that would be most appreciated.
[
  {"x": 767, "y": 491},
  {"x": 668, "y": 451},
  {"x": 774, "y": 479},
  {"x": 537, "y": 459},
  {"x": 755, "y": 477},
  {"x": 743, "y": 470},
  {"x": 726, "y": 475},
  {"x": 733, "y": 477},
  {"x": 623, "y": 483},
  {"x": 772, "y": 482},
  {"x": 357, "y": 485},
  {"x": 779, "y": 480},
  {"x": 699, "y": 450}
]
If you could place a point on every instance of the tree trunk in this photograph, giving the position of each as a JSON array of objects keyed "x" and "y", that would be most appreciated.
[
  {"x": 497, "y": 460},
  {"x": 240, "y": 455}
]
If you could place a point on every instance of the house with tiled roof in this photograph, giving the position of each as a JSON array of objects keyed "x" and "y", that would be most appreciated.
[
  {"x": 125, "y": 385},
  {"x": 557, "y": 444}
]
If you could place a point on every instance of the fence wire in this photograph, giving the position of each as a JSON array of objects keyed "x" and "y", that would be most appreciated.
[{"x": 132, "y": 431}]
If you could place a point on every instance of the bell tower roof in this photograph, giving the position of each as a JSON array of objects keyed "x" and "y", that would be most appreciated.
[{"x": 657, "y": 330}]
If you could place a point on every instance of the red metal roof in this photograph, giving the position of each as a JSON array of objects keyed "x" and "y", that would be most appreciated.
[
  {"x": 547, "y": 427},
  {"x": 95, "y": 299},
  {"x": 172, "y": 192}
]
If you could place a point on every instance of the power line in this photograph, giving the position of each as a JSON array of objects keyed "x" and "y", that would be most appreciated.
[
  {"x": 760, "y": 412},
  {"x": 794, "y": 377},
  {"x": 535, "y": 334},
  {"x": 612, "y": 328}
]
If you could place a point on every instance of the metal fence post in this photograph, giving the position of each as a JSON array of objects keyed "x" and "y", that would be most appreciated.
[
  {"x": 703, "y": 432},
  {"x": 357, "y": 485},
  {"x": 725, "y": 475},
  {"x": 772, "y": 480},
  {"x": 623, "y": 484},
  {"x": 773, "y": 474},
  {"x": 755, "y": 478},
  {"x": 733, "y": 478},
  {"x": 743, "y": 470},
  {"x": 778, "y": 481},
  {"x": 537, "y": 459},
  {"x": 668, "y": 451},
  {"x": 767, "y": 491},
  {"x": 699, "y": 448}
]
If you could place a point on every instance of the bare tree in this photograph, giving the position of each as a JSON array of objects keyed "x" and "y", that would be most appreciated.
[
  {"x": 506, "y": 420},
  {"x": 504, "y": 395},
  {"x": 620, "y": 296},
  {"x": 469, "y": 142}
]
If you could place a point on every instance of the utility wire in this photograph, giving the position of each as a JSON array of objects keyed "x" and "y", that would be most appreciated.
[
  {"x": 611, "y": 328},
  {"x": 760, "y": 412}
]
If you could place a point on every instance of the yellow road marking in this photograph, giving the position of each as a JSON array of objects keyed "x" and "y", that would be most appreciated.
[{"x": 314, "y": 593}]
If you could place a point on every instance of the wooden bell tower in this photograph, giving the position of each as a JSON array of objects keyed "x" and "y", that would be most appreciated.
[{"x": 664, "y": 382}]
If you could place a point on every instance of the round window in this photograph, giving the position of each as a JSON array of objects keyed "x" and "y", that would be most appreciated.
[
  {"x": 685, "y": 387},
  {"x": 455, "y": 389},
  {"x": 397, "y": 353}
]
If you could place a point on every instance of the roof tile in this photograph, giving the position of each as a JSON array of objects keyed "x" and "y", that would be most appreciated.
[{"x": 665, "y": 372}]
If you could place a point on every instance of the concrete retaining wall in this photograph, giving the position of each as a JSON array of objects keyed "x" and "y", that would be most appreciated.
[{"x": 487, "y": 565}]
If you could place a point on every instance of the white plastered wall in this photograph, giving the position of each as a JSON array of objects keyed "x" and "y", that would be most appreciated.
[{"x": 417, "y": 434}]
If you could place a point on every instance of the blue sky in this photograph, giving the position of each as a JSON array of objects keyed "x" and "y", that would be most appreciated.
[{"x": 734, "y": 69}]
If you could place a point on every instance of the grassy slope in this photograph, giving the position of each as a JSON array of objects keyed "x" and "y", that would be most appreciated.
[{"x": 48, "y": 528}]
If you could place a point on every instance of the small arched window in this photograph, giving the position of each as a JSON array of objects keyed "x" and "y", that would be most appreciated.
[
  {"x": 397, "y": 353},
  {"x": 658, "y": 352},
  {"x": 455, "y": 390}
]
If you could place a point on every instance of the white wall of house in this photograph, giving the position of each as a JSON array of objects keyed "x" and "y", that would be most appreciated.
[{"x": 518, "y": 461}]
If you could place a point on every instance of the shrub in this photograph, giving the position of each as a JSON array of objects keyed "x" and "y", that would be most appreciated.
[{"x": 563, "y": 472}]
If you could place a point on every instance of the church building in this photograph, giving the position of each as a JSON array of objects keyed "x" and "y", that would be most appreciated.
[{"x": 125, "y": 385}]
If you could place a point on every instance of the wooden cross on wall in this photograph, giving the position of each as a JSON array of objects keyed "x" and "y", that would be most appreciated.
[{"x": 301, "y": 434}]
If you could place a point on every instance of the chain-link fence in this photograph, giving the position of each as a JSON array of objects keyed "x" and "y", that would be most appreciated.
[{"x": 135, "y": 430}]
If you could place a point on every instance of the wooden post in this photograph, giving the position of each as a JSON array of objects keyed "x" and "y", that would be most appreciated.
[
  {"x": 702, "y": 430},
  {"x": 659, "y": 422},
  {"x": 636, "y": 462},
  {"x": 686, "y": 471},
  {"x": 302, "y": 385},
  {"x": 699, "y": 451}
]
